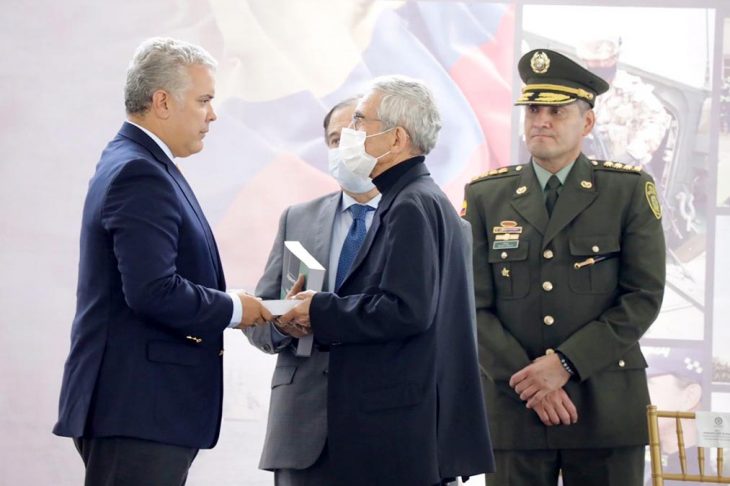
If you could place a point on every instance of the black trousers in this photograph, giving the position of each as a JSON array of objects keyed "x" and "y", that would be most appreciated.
[
  {"x": 124, "y": 461},
  {"x": 320, "y": 474},
  {"x": 623, "y": 466}
]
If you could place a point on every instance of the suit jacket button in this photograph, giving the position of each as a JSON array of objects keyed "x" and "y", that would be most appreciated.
[
  {"x": 220, "y": 353},
  {"x": 595, "y": 249},
  {"x": 547, "y": 286},
  {"x": 266, "y": 348},
  {"x": 548, "y": 254},
  {"x": 324, "y": 372},
  {"x": 548, "y": 320},
  {"x": 621, "y": 363},
  {"x": 549, "y": 351}
]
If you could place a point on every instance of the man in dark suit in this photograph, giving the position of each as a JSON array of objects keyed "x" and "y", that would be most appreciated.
[
  {"x": 569, "y": 272},
  {"x": 404, "y": 402},
  {"x": 297, "y": 427},
  {"x": 143, "y": 382}
]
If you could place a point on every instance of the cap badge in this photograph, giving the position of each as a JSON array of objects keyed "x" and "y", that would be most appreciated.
[{"x": 540, "y": 62}]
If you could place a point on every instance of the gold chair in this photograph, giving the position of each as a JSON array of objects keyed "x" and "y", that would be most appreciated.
[{"x": 658, "y": 476}]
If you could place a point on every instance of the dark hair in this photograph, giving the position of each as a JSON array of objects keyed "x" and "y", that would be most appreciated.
[{"x": 341, "y": 104}]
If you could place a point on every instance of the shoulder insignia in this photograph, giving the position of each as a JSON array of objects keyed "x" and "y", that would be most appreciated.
[
  {"x": 498, "y": 173},
  {"x": 652, "y": 199},
  {"x": 616, "y": 166}
]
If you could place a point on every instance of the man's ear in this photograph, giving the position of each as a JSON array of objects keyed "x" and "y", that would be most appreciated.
[
  {"x": 161, "y": 104},
  {"x": 401, "y": 141},
  {"x": 589, "y": 122}
]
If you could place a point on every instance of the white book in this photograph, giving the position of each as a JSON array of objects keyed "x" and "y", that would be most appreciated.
[{"x": 298, "y": 261}]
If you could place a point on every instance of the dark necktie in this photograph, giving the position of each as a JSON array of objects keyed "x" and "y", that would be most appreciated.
[
  {"x": 353, "y": 241},
  {"x": 551, "y": 193}
]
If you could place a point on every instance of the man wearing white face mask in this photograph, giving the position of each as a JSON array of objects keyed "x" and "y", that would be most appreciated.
[
  {"x": 297, "y": 428},
  {"x": 404, "y": 400}
]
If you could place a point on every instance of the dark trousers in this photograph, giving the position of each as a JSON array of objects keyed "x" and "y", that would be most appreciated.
[
  {"x": 623, "y": 466},
  {"x": 124, "y": 461},
  {"x": 318, "y": 474}
]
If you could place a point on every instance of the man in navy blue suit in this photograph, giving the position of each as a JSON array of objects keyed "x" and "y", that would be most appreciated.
[{"x": 143, "y": 383}]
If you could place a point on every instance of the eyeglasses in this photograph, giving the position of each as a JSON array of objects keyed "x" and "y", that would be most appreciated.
[{"x": 359, "y": 118}]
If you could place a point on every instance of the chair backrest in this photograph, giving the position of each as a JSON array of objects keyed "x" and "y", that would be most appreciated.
[{"x": 658, "y": 475}]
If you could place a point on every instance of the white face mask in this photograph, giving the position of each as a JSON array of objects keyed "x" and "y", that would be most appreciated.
[
  {"x": 347, "y": 179},
  {"x": 353, "y": 154}
]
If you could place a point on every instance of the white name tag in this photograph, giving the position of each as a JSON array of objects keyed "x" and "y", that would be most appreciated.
[{"x": 713, "y": 429}]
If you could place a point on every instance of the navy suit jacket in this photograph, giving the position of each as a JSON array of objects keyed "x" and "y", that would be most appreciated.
[
  {"x": 147, "y": 339},
  {"x": 404, "y": 397}
]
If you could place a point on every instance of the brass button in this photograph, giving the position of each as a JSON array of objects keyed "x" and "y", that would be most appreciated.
[
  {"x": 548, "y": 320},
  {"x": 595, "y": 249},
  {"x": 549, "y": 351},
  {"x": 518, "y": 168},
  {"x": 503, "y": 255},
  {"x": 547, "y": 286},
  {"x": 548, "y": 254},
  {"x": 621, "y": 363}
]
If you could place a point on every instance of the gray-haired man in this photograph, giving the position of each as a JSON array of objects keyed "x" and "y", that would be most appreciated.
[{"x": 404, "y": 400}]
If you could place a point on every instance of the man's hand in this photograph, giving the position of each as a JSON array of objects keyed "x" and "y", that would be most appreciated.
[
  {"x": 556, "y": 408},
  {"x": 253, "y": 311},
  {"x": 291, "y": 328},
  {"x": 299, "y": 315},
  {"x": 296, "y": 288},
  {"x": 542, "y": 376}
]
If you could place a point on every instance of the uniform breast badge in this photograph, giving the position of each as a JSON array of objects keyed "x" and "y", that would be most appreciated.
[{"x": 507, "y": 235}]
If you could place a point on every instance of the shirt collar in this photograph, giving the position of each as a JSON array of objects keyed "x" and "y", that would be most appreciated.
[
  {"x": 543, "y": 175},
  {"x": 156, "y": 139},
  {"x": 348, "y": 201}
]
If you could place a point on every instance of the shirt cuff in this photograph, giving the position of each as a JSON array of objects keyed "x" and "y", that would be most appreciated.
[
  {"x": 278, "y": 337},
  {"x": 237, "y": 310}
]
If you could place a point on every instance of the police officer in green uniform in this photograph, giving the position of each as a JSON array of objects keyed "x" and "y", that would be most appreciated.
[{"x": 569, "y": 273}]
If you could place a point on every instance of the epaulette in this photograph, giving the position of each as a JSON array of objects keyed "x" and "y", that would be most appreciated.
[
  {"x": 512, "y": 170},
  {"x": 616, "y": 166}
]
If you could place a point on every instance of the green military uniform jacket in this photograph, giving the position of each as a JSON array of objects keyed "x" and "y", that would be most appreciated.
[{"x": 532, "y": 299}]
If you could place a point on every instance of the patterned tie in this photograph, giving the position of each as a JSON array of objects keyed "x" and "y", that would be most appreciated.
[
  {"x": 353, "y": 241},
  {"x": 551, "y": 193}
]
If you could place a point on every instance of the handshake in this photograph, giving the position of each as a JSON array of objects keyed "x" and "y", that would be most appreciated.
[{"x": 294, "y": 323}]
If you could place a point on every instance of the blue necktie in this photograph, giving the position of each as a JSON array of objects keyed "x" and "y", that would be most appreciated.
[{"x": 353, "y": 241}]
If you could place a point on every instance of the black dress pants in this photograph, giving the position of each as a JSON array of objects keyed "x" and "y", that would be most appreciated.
[{"x": 124, "y": 461}]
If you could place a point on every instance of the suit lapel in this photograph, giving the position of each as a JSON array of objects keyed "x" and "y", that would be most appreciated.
[
  {"x": 322, "y": 242},
  {"x": 385, "y": 203},
  {"x": 130, "y": 131},
  {"x": 578, "y": 192},
  {"x": 528, "y": 200}
]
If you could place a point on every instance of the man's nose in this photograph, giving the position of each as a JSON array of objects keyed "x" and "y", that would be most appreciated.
[{"x": 542, "y": 117}]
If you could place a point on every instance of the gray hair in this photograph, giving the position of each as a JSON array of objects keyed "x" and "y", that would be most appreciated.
[
  {"x": 160, "y": 63},
  {"x": 583, "y": 106},
  {"x": 408, "y": 103}
]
